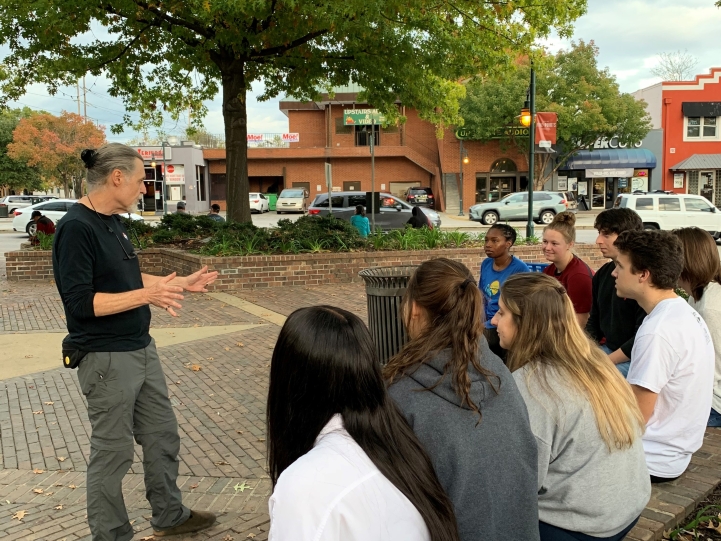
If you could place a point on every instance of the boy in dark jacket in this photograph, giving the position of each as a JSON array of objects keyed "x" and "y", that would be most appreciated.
[{"x": 614, "y": 320}]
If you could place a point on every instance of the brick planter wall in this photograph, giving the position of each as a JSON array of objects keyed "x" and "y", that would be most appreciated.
[{"x": 280, "y": 270}]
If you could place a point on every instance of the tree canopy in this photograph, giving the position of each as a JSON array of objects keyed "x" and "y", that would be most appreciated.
[
  {"x": 676, "y": 66},
  {"x": 15, "y": 175},
  {"x": 166, "y": 56},
  {"x": 53, "y": 145},
  {"x": 586, "y": 98}
]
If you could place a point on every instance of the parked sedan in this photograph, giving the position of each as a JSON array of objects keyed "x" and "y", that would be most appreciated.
[
  {"x": 515, "y": 207},
  {"x": 55, "y": 210},
  {"x": 393, "y": 212},
  {"x": 259, "y": 203}
]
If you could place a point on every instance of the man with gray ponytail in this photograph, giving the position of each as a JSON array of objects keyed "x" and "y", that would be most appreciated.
[{"x": 106, "y": 300}]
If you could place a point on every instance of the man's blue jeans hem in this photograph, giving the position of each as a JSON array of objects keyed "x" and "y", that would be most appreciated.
[{"x": 714, "y": 419}]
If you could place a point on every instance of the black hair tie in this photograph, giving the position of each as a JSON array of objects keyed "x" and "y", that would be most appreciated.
[
  {"x": 465, "y": 283},
  {"x": 89, "y": 157}
]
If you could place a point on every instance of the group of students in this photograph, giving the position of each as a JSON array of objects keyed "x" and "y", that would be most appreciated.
[{"x": 503, "y": 416}]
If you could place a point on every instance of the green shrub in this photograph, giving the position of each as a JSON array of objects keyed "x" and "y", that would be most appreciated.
[{"x": 45, "y": 242}]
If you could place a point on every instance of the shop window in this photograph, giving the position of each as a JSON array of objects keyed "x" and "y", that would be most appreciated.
[
  {"x": 341, "y": 128},
  {"x": 672, "y": 204},
  {"x": 363, "y": 135},
  {"x": 504, "y": 165},
  {"x": 481, "y": 192},
  {"x": 644, "y": 203},
  {"x": 701, "y": 127}
]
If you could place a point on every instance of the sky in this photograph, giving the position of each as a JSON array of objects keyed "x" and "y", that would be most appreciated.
[{"x": 629, "y": 33}]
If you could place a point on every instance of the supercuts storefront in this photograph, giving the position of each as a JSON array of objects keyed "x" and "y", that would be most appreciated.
[{"x": 601, "y": 175}]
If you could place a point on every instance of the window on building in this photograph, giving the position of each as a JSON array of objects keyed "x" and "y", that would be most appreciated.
[
  {"x": 504, "y": 165},
  {"x": 701, "y": 127},
  {"x": 363, "y": 135},
  {"x": 200, "y": 182},
  {"x": 341, "y": 128},
  {"x": 669, "y": 204},
  {"x": 644, "y": 203}
]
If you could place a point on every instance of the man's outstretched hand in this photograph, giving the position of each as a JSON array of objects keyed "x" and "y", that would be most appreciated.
[{"x": 198, "y": 281}]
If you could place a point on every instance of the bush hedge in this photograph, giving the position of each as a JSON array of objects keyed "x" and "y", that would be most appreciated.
[{"x": 308, "y": 234}]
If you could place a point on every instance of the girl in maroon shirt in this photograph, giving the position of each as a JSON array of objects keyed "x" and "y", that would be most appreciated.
[{"x": 558, "y": 240}]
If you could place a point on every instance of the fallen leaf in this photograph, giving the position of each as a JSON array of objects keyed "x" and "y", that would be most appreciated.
[
  {"x": 48, "y": 493},
  {"x": 58, "y": 507},
  {"x": 132, "y": 522},
  {"x": 227, "y": 349},
  {"x": 228, "y": 538},
  {"x": 241, "y": 487},
  {"x": 72, "y": 486},
  {"x": 196, "y": 368},
  {"x": 239, "y": 344},
  {"x": 38, "y": 490},
  {"x": 58, "y": 485},
  {"x": 28, "y": 356},
  {"x": 194, "y": 486},
  {"x": 261, "y": 439},
  {"x": 222, "y": 463},
  {"x": 20, "y": 515},
  {"x": 38, "y": 471},
  {"x": 250, "y": 536},
  {"x": 39, "y": 412},
  {"x": 210, "y": 359},
  {"x": 148, "y": 538},
  {"x": 239, "y": 431},
  {"x": 48, "y": 403},
  {"x": 61, "y": 458}
]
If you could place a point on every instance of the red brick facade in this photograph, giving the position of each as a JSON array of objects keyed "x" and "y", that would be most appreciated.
[{"x": 409, "y": 153}]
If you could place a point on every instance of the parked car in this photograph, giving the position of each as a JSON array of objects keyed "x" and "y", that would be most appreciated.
[
  {"x": 515, "y": 207},
  {"x": 668, "y": 210},
  {"x": 421, "y": 197},
  {"x": 393, "y": 212},
  {"x": 292, "y": 200},
  {"x": 259, "y": 203},
  {"x": 14, "y": 202},
  {"x": 570, "y": 198},
  {"x": 54, "y": 210}
]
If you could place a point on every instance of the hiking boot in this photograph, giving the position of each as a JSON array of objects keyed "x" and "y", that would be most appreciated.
[{"x": 198, "y": 520}]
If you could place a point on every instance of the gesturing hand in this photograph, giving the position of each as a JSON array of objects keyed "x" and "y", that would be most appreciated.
[
  {"x": 198, "y": 280},
  {"x": 164, "y": 295}
]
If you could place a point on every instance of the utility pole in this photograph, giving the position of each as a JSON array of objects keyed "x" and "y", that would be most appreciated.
[
  {"x": 77, "y": 86},
  {"x": 373, "y": 175},
  {"x": 85, "y": 101},
  {"x": 531, "y": 151}
]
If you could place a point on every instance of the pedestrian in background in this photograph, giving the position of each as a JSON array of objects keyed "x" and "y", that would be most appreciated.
[
  {"x": 343, "y": 461},
  {"x": 215, "y": 213},
  {"x": 498, "y": 266},
  {"x": 464, "y": 406},
  {"x": 672, "y": 362},
  {"x": 559, "y": 237},
  {"x": 701, "y": 280},
  {"x": 180, "y": 207},
  {"x": 592, "y": 477},
  {"x": 43, "y": 225},
  {"x": 614, "y": 320},
  {"x": 418, "y": 219},
  {"x": 360, "y": 221},
  {"x": 106, "y": 300}
]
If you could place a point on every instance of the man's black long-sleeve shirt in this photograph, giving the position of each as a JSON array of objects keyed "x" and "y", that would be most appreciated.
[
  {"x": 88, "y": 258},
  {"x": 612, "y": 317}
]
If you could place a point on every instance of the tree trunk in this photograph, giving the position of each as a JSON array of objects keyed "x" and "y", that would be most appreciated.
[
  {"x": 235, "y": 116},
  {"x": 78, "y": 186},
  {"x": 66, "y": 188}
]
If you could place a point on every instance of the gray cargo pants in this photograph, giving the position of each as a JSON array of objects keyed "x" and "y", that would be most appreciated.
[{"x": 127, "y": 396}]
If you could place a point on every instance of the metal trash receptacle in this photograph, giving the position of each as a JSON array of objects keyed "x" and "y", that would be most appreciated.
[
  {"x": 3, "y": 211},
  {"x": 385, "y": 287}
]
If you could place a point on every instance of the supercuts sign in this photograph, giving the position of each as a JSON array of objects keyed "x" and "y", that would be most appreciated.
[
  {"x": 603, "y": 142},
  {"x": 154, "y": 153}
]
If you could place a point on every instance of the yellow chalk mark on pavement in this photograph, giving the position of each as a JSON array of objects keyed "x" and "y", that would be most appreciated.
[
  {"x": 45, "y": 348},
  {"x": 263, "y": 313}
]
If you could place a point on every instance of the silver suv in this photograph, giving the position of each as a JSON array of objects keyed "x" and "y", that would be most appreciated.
[
  {"x": 22, "y": 201},
  {"x": 515, "y": 207}
]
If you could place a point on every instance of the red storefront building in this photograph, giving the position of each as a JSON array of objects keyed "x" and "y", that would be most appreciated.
[
  {"x": 407, "y": 155},
  {"x": 689, "y": 112}
]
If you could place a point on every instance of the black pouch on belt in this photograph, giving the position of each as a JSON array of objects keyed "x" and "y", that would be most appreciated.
[{"x": 71, "y": 354}]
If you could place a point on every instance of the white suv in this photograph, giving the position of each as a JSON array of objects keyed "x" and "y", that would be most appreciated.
[{"x": 668, "y": 210}]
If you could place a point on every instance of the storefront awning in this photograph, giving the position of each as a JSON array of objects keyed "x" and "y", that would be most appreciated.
[
  {"x": 637, "y": 158},
  {"x": 699, "y": 161}
]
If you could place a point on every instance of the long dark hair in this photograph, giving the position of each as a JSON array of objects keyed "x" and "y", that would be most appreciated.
[
  {"x": 700, "y": 259},
  {"x": 447, "y": 292},
  {"x": 325, "y": 363}
]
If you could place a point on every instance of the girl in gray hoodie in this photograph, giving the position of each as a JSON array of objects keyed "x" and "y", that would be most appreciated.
[{"x": 465, "y": 407}]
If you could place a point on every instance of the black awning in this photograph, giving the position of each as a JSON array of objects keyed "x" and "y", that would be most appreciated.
[{"x": 701, "y": 108}]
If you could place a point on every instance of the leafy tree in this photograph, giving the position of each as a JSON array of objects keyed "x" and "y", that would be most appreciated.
[
  {"x": 168, "y": 56},
  {"x": 677, "y": 66},
  {"x": 587, "y": 100},
  {"x": 15, "y": 175},
  {"x": 53, "y": 144}
]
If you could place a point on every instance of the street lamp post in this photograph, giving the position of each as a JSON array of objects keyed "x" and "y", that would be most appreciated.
[
  {"x": 463, "y": 158},
  {"x": 528, "y": 119},
  {"x": 165, "y": 186}
]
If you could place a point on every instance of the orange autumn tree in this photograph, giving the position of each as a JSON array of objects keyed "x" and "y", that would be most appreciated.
[{"x": 53, "y": 145}]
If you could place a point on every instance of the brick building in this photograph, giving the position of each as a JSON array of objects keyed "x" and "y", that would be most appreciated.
[
  {"x": 689, "y": 113},
  {"x": 405, "y": 155}
]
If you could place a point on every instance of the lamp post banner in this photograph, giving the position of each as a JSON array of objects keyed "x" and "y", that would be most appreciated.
[{"x": 546, "y": 127}]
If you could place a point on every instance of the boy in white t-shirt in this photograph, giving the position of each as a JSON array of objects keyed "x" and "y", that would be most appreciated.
[{"x": 672, "y": 361}]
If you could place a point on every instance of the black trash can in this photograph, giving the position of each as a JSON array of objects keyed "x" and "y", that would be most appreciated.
[
  {"x": 3, "y": 211},
  {"x": 385, "y": 287}
]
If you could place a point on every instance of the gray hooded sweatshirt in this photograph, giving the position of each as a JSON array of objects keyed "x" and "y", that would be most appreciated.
[{"x": 488, "y": 469}]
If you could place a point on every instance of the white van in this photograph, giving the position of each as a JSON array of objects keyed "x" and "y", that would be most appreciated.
[
  {"x": 668, "y": 210},
  {"x": 292, "y": 200}
]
